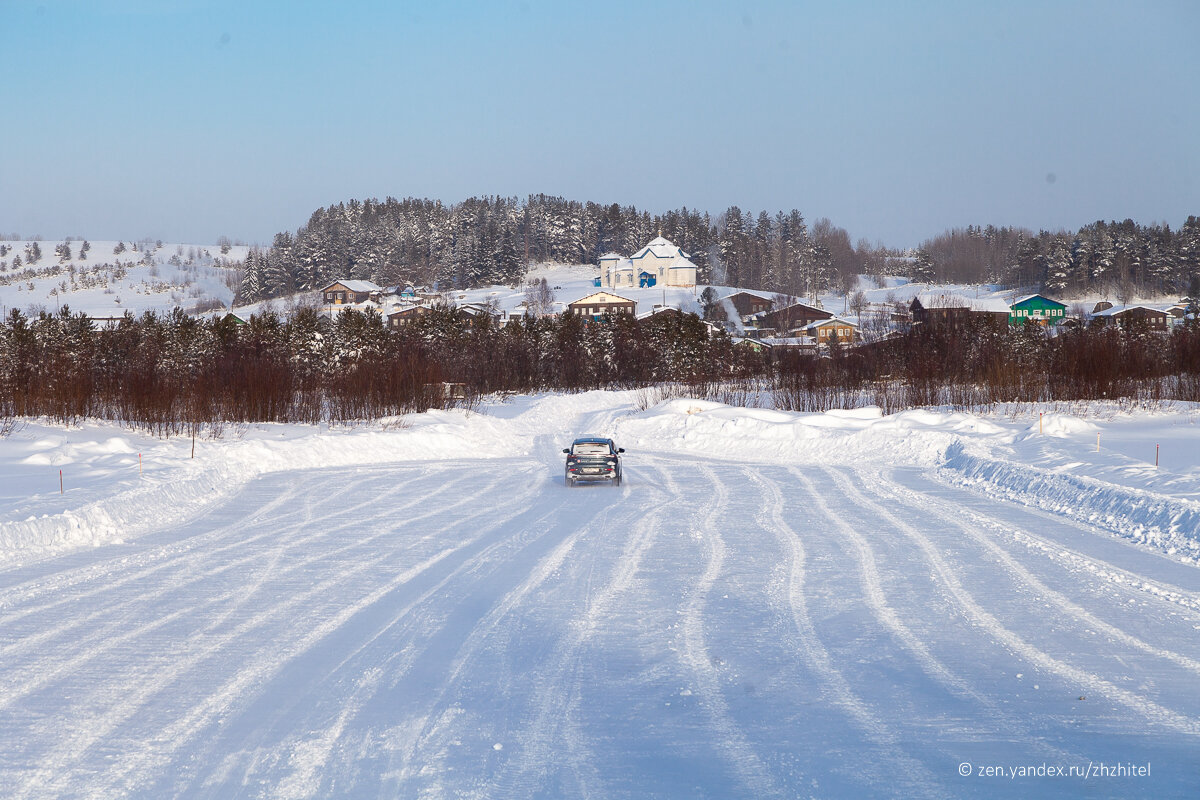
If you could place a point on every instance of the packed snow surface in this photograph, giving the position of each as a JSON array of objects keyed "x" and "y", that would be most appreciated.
[{"x": 849, "y": 604}]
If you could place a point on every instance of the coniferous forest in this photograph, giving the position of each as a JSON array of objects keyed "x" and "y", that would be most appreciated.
[{"x": 490, "y": 240}]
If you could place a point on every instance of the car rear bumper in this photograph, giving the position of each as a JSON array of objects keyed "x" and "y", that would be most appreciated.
[{"x": 591, "y": 477}]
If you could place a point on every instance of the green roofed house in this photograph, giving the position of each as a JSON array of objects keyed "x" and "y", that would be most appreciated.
[{"x": 1038, "y": 308}]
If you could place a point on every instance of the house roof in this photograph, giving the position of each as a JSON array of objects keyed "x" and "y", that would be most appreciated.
[
  {"x": 660, "y": 248},
  {"x": 355, "y": 286},
  {"x": 780, "y": 310},
  {"x": 1118, "y": 310},
  {"x": 831, "y": 321},
  {"x": 952, "y": 300},
  {"x": 789, "y": 341},
  {"x": 750, "y": 293},
  {"x": 659, "y": 310},
  {"x": 1029, "y": 297},
  {"x": 408, "y": 309},
  {"x": 602, "y": 297}
]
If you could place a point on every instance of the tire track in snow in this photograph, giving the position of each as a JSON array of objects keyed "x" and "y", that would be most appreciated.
[
  {"x": 125, "y": 702},
  {"x": 397, "y": 664},
  {"x": 1018, "y": 571},
  {"x": 746, "y": 763},
  {"x": 1187, "y": 600},
  {"x": 891, "y": 621},
  {"x": 20, "y": 596},
  {"x": 196, "y": 548},
  {"x": 117, "y": 633},
  {"x": 558, "y": 691},
  {"x": 1152, "y": 711},
  {"x": 915, "y": 779}
]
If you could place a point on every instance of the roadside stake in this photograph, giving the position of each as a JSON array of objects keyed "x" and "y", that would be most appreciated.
[
  {"x": 60, "y": 486},
  {"x": 139, "y": 465},
  {"x": 1156, "y": 456}
]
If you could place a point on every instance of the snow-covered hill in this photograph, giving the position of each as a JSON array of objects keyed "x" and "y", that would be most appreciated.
[{"x": 111, "y": 278}]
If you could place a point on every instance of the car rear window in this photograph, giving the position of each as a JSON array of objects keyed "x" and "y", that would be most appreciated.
[{"x": 590, "y": 449}]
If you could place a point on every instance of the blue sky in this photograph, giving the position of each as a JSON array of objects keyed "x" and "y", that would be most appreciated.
[{"x": 191, "y": 119}]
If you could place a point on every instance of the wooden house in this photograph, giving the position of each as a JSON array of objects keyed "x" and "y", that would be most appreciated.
[
  {"x": 747, "y": 303},
  {"x": 1154, "y": 319},
  {"x": 789, "y": 318},
  {"x": 406, "y": 315},
  {"x": 827, "y": 331},
  {"x": 954, "y": 311},
  {"x": 753, "y": 345},
  {"x": 340, "y": 292},
  {"x": 660, "y": 312},
  {"x": 599, "y": 304},
  {"x": 1038, "y": 309}
]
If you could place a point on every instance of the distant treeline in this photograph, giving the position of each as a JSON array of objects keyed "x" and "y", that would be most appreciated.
[
  {"x": 172, "y": 374},
  {"x": 491, "y": 240},
  {"x": 1121, "y": 260}
]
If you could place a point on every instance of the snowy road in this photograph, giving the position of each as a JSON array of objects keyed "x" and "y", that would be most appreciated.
[{"x": 709, "y": 629}]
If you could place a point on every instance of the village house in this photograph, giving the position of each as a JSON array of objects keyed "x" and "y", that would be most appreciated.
[
  {"x": 1038, "y": 309},
  {"x": 1154, "y": 319},
  {"x": 406, "y": 315},
  {"x": 949, "y": 310},
  {"x": 794, "y": 317},
  {"x": 599, "y": 304},
  {"x": 347, "y": 291},
  {"x": 827, "y": 331},
  {"x": 747, "y": 303},
  {"x": 659, "y": 311},
  {"x": 777, "y": 345},
  {"x": 659, "y": 263}
]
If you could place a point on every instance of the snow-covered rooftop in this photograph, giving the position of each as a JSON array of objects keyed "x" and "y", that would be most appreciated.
[
  {"x": 661, "y": 248},
  {"x": 359, "y": 286}
]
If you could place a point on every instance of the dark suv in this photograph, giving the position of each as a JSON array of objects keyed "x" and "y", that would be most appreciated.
[{"x": 593, "y": 458}]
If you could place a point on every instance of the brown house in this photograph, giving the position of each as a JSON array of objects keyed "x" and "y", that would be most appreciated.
[
  {"x": 598, "y": 304},
  {"x": 340, "y": 292},
  {"x": 746, "y": 303},
  {"x": 406, "y": 315},
  {"x": 1153, "y": 319},
  {"x": 955, "y": 312},
  {"x": 790, "y": 318},
  {"x": 660, "y": 312}
]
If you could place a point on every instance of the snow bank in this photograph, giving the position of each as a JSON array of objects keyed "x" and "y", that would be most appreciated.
[
  {"x": 1016, "y": 461},
  {"x": 1170, "y": 524},
  {"x": 106, "y": 505},
  {"x": 713, "y": 430}
]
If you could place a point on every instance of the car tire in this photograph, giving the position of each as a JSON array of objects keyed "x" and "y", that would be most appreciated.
[{"x": 617, "y": 480}]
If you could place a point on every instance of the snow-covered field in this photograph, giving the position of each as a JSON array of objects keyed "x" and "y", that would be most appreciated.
[{"x": 772, "y": 605}]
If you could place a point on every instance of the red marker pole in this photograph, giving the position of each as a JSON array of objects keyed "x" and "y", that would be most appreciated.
[
  {"x": 60, "y": 486},
  {"x": 1156, "y": 456}
]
